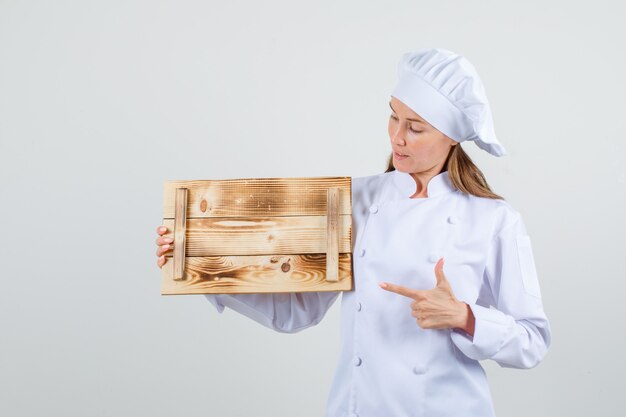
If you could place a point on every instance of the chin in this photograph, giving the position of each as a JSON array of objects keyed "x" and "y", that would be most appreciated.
[{"x": 400, "y": 168}]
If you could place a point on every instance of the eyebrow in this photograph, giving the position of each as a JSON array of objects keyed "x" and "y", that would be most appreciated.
[{"x": 412, "y": 120}]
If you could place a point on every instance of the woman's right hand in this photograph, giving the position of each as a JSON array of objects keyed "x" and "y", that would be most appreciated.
[{"x": 164, "y": 244}]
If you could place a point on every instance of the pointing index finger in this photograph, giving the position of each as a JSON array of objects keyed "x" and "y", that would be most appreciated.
[{"x": 399, "y": 289}]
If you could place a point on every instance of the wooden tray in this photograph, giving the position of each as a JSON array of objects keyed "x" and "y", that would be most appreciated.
[{"x": 258, "y": 235}]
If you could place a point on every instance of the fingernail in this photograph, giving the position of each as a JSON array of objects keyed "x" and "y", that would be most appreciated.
[
  {"x": 162, "y": 229},
  {"x": 169, "y": 239},
  {"x": 383, "y": 285}
]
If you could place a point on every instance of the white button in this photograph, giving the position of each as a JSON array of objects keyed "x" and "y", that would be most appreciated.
[
  {"x": 433, "y": 257},
  {"x": 452, "y": 219},
  {"x": 357, "y": 361},
  {"x": 417, "y": 369},
  {"x": 373, "y": 208},
  {"x": 358, "y": 306},
  {"x": 362, "y": 252}
]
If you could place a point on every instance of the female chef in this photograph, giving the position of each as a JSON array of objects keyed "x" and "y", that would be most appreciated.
[{"x": 444, "y": 275}]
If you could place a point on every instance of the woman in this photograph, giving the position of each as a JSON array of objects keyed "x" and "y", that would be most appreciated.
[{"x": 413, "y": 332}]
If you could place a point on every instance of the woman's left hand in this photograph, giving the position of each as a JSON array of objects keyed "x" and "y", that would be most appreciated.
[{"x": 436, "y": 308}]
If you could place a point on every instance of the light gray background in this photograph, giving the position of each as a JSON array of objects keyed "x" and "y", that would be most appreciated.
[{"x": 101, "y": 101}]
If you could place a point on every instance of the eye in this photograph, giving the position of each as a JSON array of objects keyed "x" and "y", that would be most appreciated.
[{"x": 411, "y": 129}]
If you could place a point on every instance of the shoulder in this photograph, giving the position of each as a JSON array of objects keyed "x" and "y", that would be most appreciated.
[
  {"x": 370, "y": 181},
  {"x": 498, "y": 214},
  {"x": 366, "y": 190},
  {"x": 369, "y": 185}
]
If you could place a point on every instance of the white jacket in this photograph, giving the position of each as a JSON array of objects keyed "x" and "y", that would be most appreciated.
[{"x": 388, "y": 365}]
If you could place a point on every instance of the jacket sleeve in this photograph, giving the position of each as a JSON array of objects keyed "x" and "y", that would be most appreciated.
[
  {"x": 515, "y": 332},
  {"x": 283, "y": 312}
]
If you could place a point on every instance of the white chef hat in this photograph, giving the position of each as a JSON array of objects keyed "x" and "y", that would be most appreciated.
[{"x": 444, "y": 88}]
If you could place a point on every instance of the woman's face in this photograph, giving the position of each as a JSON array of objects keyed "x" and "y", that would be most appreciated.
[{"x": 425, "y": 147}]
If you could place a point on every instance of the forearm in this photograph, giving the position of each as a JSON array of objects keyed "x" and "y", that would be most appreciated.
[
  {"x": 499, "y": 336},
  {"x": 466, "y": 320},
  {"x": 284, "y": 312}
]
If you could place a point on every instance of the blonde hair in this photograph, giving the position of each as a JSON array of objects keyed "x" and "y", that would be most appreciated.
[{"x": 463, "y": 173}]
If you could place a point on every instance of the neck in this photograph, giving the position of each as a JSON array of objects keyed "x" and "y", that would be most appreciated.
[{"x": 422, "y": 179}]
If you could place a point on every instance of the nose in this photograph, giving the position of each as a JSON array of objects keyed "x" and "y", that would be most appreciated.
[{"x": 397, "y": 136}]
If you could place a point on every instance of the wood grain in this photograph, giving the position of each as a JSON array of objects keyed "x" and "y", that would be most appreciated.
[
  {"x": 180, "y": 226},
  {"x": 258, "y": 197},
  {"x": 258, "y": 235},
  {"x": 257, "y": 274},
  {"x": 262, "y": 235},
  {"x": 332, "y": 247}
]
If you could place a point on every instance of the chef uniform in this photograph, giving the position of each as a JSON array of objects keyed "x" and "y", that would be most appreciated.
[{"x": 388, "y": 365}]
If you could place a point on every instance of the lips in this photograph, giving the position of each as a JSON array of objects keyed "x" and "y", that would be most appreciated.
[{"x": 399, "y": 154}]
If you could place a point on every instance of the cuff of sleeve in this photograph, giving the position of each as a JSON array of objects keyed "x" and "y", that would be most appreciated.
[
  {"x": 490, "y": 330},
  {"x": 214, "y": 300}
]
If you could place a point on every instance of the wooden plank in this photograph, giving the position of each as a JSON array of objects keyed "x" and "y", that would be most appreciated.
[
  {"x": 332, "y": 248},
  {"x": 180, "y": 222},
  {"x": 258, "y": 235},
  {"x": 258, "y": 197},
  {"x": 257, "y": 274},
  {"x": 262, "y": 235}
]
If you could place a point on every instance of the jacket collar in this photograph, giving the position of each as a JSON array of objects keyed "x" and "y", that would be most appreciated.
[{"x": 438, "y": 185}]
